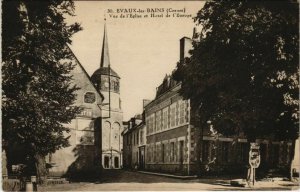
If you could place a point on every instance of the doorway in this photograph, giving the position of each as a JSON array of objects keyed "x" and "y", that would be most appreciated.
[
  {"x": 181, "y": 155},
  {"x": 106, "y": 162},
  {"x": 142, "y": 158},
  {"x": 116, "y": 162}
]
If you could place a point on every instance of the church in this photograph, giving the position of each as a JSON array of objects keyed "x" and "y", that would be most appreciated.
[
  {"x": 107, "y": 81},
  {"x": 95, "y": 134}
]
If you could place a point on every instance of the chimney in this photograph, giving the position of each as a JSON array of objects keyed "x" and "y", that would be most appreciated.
[
  {"x": 186, "y": 44},
  {"x": 146, "y": 102},
  {"x": 195, "y": 34}
]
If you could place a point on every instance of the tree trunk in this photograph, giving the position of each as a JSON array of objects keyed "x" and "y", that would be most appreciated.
[
  {"x": 41, "y": 171},
  {"x": 292, "y": 158}
]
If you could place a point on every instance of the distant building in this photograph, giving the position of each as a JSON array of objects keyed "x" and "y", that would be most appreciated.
[
  {"x": 131, "y": 142},
  {"x": 134, "y": 141},
  {"x": 107, "y": 81}
]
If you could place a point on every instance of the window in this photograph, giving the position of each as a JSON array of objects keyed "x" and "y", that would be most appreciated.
[
  {"x": 153, "y": 153},
  {"x": 116, "y": 86},
  {"x": 165, "y": 118},
  {"x": 151, "y": 123},
  {"x": 172, "y": 151},
  {"x": 89, "y": 97},
  {"x": 177, "y": 114},
  {"x": 172, "y": 116},
  {"x": 181, "y": 112},
  {"x": 158, "y": 120},
  {"x": 163, "y": 153},
  {"x": 147, "y": 126},
  {"x": 141, "y": 137}
]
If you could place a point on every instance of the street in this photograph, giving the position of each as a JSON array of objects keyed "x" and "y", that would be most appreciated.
[{"x": 120, "y": 180}]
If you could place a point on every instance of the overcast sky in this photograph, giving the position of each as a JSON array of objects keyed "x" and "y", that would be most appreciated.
[{"x": 142, "y": 50}]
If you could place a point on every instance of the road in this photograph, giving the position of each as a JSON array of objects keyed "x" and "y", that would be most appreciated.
[{"x": 119, "y": 180}]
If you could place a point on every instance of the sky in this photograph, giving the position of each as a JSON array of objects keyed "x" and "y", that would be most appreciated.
[{"x": 142, "y": 50}]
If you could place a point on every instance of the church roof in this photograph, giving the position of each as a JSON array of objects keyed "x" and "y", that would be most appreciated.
[
  {"x": 105, "y": 60},
  {"x": 105, "y": 71},
  {"x": 84, "y": 71}
]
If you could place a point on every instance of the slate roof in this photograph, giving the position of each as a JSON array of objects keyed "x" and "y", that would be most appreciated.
[{"x": 104, "y": 71}]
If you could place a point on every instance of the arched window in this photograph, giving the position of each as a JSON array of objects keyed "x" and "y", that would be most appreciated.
[{"x": 106, "y": 132}]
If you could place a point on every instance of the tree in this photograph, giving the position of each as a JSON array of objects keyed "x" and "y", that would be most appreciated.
[
  {"x": 37, "y": 92},
  {"x": 243, "y": 73}
]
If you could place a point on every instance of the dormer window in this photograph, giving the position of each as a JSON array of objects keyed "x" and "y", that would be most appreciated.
[{"x": 89, "y": 97}]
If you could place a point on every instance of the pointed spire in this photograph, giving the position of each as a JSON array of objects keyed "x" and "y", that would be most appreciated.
[{"x": 105, "y": 62}]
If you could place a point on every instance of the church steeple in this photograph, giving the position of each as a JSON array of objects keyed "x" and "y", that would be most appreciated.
[{"x": 105, "y": 62}]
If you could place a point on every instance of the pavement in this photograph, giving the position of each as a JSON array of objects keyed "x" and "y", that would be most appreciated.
[{"x": 120, "y": 180}]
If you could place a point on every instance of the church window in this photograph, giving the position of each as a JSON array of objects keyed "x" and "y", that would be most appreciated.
[
  {"x": 116, "y": 86},
  {"x": 89, "y": 97}
]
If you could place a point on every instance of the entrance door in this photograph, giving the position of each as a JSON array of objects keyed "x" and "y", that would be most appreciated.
[
  {"x": 116, "y": 162},
  {"x": 106, "y": 162},
  {"x": 141, "y": 158},
  {"x": 181, "y": 155}
]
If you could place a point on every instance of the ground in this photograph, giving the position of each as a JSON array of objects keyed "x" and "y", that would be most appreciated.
[{"x": 120, "y": 180}]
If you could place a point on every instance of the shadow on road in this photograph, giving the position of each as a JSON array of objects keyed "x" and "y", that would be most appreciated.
[{"x": 121, "y": 176}]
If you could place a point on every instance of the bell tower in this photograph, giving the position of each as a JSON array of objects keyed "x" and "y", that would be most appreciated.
[{"x": 107, "y": 82}]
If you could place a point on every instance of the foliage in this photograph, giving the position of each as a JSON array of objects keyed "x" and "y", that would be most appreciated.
[
  {"x": 37, "y": 93},
  {"x": 243, "y": 73}
]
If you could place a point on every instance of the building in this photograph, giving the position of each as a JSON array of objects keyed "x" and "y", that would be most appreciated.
[
  {"x": 134, "y": 141},
  {"x": 95, "y": 134},
  {"x": 83, "y": 154},
  {"x": 131, "y": 142},
  {"x": 173, "y": 132},
  {"x": 107, "y": 81},
  {"x": 169, "y": 132}
]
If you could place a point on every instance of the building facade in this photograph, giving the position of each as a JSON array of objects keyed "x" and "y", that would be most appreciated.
[
  {"x": 131, "y": 142},
  {"x": 83, "y": 154},
  {"x": 95, "y": 136},
  {"x": 107, "y": 81},
  {"x": 169, "y": 145},
  {"x": 176, "y": 144}
]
